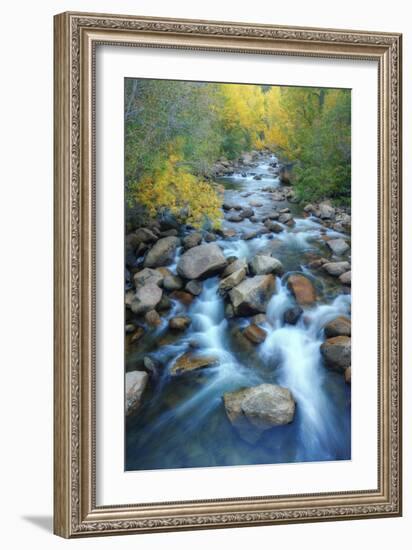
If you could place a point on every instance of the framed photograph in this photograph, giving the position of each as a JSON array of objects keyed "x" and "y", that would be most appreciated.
[{"x": 227, "y": 274}]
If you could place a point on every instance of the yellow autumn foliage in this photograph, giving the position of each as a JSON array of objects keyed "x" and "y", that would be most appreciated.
[
  {"x": 171, "y": 186},
  {"x": 244, "y": 106}
]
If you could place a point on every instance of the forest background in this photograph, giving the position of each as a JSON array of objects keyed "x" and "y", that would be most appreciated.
[{"x": 176, "y": 131}]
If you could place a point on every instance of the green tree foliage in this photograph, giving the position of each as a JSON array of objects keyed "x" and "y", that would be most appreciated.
[
  {"x": 175, "y": 131},
  {"x": 172, "y": 131},
  {"x": 312, "y": 126}
]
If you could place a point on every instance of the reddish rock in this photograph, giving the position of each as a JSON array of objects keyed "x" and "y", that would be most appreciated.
[
  {"x": 255, "y": 334},
  {"x": 302, "y": 289},
  {"x": 337, "y": 352},
  {"x": 184, "y": 297},
  {"x": 341, "y": 326}
]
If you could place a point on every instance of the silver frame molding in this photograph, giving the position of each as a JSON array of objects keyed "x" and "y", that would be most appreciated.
[{"x": 76, "y": 37}]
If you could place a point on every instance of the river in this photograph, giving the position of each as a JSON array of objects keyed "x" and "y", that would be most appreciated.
[{"x": 182, "y": 421}]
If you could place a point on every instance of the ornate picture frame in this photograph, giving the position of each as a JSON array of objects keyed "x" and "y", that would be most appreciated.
[{"x": 76, "y": 36}]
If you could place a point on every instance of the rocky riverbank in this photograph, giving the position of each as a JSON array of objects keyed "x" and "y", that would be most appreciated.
[{"x": 273, "y": 264}]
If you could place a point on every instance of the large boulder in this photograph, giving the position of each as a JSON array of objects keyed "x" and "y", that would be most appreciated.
[
  {"x": 136, "y": 382},
  {"x": 201, "y": 261},
  {"x": 189, "y": 362},
  {"x": 146, "y": 298},
  {"x": 341, "y": 326},
  {"x": 336, "y": 352},
  {"x": 338, "y": 246},
  {"x": 148, "y": 276},
  {"x": 302, "y": 289},
  {"x": 261, "y": 265},
  {"x": 257, "y": 409},
  {"x": 162, "y": 252},
  {"x": 336, "y": 268},
  {"x": 231, "y": 281},
  {"x": 253, "y": 294}
]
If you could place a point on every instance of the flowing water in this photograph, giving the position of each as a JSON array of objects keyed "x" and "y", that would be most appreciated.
[{"x": 182, "y": 422}]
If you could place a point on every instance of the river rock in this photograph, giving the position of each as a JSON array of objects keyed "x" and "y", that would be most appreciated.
[
  {"x": 341, "y": 326},
  {"x": 292, "y": 315},
  {"x": 231, "y": 281},
  {"x": 336, "y": 352},
  {"x": 137, "y": 335},
  {"x": 273, "y": 226},
  {"x": 180, "y": 323},
  {"x": 189, "y": 362},
  {"x": 131, "y": 242},
  {"x": 246, "y": 213},
  {"x": 169, "y": 233},
  {"x": 338, "y": 246},
  {"x": 302, "y": 289},
  {"x": 272, "y": 216},
  {"x": 165, "y": 303},
  {"x": 145, "y": 235},
  {"x": 228, "y": 233},
  {"x": 252, "y": 234},
  {"x": 336, "y": 268},
  {"x": 129, "y": 328},
  {"x": 152, "y": 366},
  {"x": 183, "y": 297},
  {"x": 284, "y": 176},
  {"x": 210, "y": 237},
  {"x": 261, "y": 265},
  {"x": 146, "y": 298},
  {"x": 162, "y": 252},
  {"x": 345, "y": 278},
  {"x": 172, "y": 282},
  {"x": 152, "y": 318},
  {"x": 348, "y": 375},
  {"x": 255, "y": 334},
  {"x": 285, "y": 218},
  {"x": 238, "y": 263},
  {"x": 229, "y": 311},
  {"x": 194, "y": 287},
  {"x": 245, "y": 158},
  {"x": 259, "y": 319},
  {"x": 192, "y": 240},
  {"x": 234, "y": 217},
  {"x": 148, "y": 276},
  {"x": 136, "y": 382},
  {"x": 326, "y": 211},
  {"x": 253, "y": 294},
  {"x": 256, "y": 204},
  {"x": 231, "y": 206},
  {"x": 128, "y": 298},
  {"x": 257, "y": 409},
  {"x": 318, "y": 263},
  {"x": 201, "y": 261}
]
